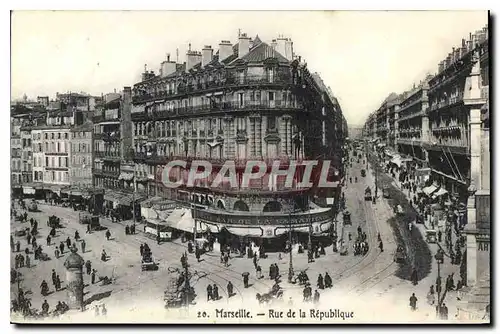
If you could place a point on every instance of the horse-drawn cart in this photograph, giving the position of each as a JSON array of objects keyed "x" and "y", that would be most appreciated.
[
  {"x": 368, "y": 194},
  {"x": 92, "y": 220}
]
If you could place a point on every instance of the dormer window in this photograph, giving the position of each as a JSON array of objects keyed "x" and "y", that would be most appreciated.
[{"x": 270, "y": 74}]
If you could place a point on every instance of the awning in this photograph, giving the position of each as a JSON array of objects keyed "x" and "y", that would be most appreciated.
[
  {"x": 126, "y": 176},
  {"x": 213, "y": 143},
  {"x": 429, "y": 190},
  {"x": 397, "y": 161},
  {"x": 111, "y": 196},
  {"x": 181, "y": 219},
  {"x": 440, "y": 192},
  {"x": 28, "y": 190}
]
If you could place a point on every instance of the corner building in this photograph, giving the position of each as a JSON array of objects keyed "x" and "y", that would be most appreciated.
[{"x": 249, "y": 101}]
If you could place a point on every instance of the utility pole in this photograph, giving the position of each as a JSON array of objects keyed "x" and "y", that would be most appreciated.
[{"x": 290, "y": 268}]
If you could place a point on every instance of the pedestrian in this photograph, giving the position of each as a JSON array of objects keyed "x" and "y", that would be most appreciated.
[
  {"x": 328, "y": 281},
  {"x": 89, "y": 230},
  {"x": 209, "y": 292},
  {"x": 77, "y": 236},
  {"x": 444, "y": 314},
  {"x": 108, "y": 235},
  {"x": 96, "y": 310},
  {"x": 127, "y": 230},
  {"x": 56, "y": 252},
  {"x": 245, "y": 279},
  {"x": 414, "y": 276},
  {"x": 215, "y": 291},
  {"x": 320, "y": 282},
  {"x": 198, "y": 254},
  {"x": 45, "y": 307},
  {"x": 54, "y": 277},
  {"x": 271, "y": 271},
  {"x": 92, "y": 277},
  {"x": 28, "y": 239},
  {"x": 68, "y": 242},
  {"x": 88, "y": 267},
  {"x": 104, "y": 256},
  {"x": 413, "y": 302},
  {"x": 259, "y": 272},
  {"x": 381, "y": 246},
  {"x": 83, "y": 244},
  {"x": 316, "y": 296},
  {"x": 28, "y": 261},
  {"x": 58, "y": 283},
  {"x": 18, "y": 246},
  {"x": 48, "y": 240},
  {"x": 229, "y": 289},
  {"x": 226, "y": 259},
  {"x": 104, "y": 311},
  {"x": 61, "y": 247}
]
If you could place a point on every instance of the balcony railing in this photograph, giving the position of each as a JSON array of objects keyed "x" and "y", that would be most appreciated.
[
  {"x": 274, "y": 218},
  {"x": 107, "y": 155},
  {"x": 229, "y": 81},
  {"x": 218, "y": 107},
  {"x": 109, "y": 173}
]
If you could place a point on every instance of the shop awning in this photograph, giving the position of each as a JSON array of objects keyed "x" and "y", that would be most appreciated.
[
  {"x": 126, "y": 176},
  {"x": 440, "y": 192},
  {"x": 111, "y": 196},
  {"x": 396, "y": 160},
  {"x": 429, "y": 190},
  {"x": 181, "y": 219}
]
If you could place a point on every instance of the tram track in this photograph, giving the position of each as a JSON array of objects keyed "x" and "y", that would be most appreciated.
[
  {"x": 367, "y": 260},
  {"x": 205, "y": 265}
]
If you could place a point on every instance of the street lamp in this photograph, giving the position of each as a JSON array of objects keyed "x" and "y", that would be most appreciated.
[
  {"x": 290, "y": 268},
  {"x": 439, "y": 259}
]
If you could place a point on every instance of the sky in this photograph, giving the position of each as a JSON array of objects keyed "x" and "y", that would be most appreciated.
[{"x": 362, "y": 56}]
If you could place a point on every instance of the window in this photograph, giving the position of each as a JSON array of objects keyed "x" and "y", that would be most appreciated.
[
  {"x": 58, "y": 147},
  {"x": 46, "y": 147},
  {"x": 58, "y": 135},
  {"x": 241, "y": 77},
  {"x": 53, "y": 162},
  {"x": 66, "y": 136},
  {"x": 46, "y": 162},
  {"x": 241, "y": 98},
  {"x": 271, "y": 122},
  {"x": 53, "y": 176},
  {"x": 271, "y": 96},
  {"x": 270, "y": 75},
  {"x": 46, "y": 135},
  {"x": 66, "y": 160}
]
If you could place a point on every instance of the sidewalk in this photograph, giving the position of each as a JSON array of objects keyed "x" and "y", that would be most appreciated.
[{"x": 447, "y": 267}]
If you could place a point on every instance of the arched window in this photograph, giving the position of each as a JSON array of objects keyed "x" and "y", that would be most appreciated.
[
  {"x": 221, "y": 205},
  {"x": 240, "y": 206},
  {"x": 272, "y": 206}
]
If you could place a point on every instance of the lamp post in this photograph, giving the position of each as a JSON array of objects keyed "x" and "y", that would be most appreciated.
[
  {"x": 439, "y": 259},
  {"x": 290, "y": 268}
]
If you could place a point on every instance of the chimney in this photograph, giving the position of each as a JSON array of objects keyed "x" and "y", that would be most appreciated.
[
  {"x": 280, "y": 46},
  {"x": 225, "y": 50},
  {"x": 167, "y": 67},
  {"x": 274, "y": 44},
  {"x": 441, "y": 67},
  {"x": 288, "y": 49},
  {"x": 207, "y": 55},
  {"x": 244, "y": 45},
  {"x": 192, "y": 58}
]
